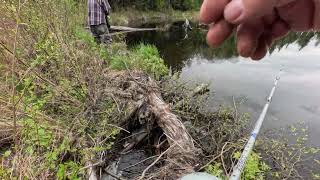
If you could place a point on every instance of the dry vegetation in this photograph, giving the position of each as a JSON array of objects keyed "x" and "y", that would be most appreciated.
[{"x": 66, "y": 105}]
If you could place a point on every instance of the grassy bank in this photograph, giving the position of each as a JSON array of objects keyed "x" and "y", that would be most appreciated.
[{"x": 53, "y": 104}]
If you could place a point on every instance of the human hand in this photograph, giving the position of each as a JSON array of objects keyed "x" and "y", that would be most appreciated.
[{"x": 257, "y": 22}]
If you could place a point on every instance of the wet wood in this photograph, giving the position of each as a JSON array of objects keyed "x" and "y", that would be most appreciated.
[
  {"x": 91, "y": 171},
  {"x": 124, "y": 28},
  {"x": 184, "y": 154},
  {"x": 170, "y": 123},
  {"x": 201, "y": 89}
]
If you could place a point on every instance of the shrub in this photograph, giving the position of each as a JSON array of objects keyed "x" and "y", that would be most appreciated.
[{"x": 143, "y": 57}]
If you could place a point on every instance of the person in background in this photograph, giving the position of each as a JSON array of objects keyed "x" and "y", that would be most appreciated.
[{"x": 98, "y": 11}]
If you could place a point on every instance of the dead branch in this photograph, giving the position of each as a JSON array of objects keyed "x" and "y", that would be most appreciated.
[
  {"x": 151, "y": 165},
  {"x": 184, "y": 153},
  {"x": 91, "y": 171}
]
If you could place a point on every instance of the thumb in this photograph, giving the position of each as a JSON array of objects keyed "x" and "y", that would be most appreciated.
[{"x": 239, "y": 11}]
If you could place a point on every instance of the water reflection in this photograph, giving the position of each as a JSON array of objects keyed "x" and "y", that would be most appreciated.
[
  {"x": 297, "y": 98},
  {"x": 178, "y": 51}
]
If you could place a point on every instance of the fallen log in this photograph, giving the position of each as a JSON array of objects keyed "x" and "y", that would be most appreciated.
[
  {"x": 148, "y": 107},
  {"x": 184, "y": 153},
  {"x": 199, "y": 90},
  {"x": 123, "y": 28},
  {"x": 170, "y": 124}
]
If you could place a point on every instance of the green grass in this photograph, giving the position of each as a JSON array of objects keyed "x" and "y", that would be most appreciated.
[{"x": 145, "y": 58}]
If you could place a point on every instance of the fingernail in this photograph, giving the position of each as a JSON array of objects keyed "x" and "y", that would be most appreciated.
[{"x": 234, "y": 11}]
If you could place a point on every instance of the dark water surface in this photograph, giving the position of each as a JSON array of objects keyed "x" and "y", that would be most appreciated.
[{"x": 297, "y": 98}]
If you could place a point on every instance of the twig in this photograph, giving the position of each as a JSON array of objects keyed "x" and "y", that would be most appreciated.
[
  {"x": 5, "y": 139},
  {"x": 13, "y": 76},
  {"x": 115, "y": 176},
  {"x": 174, "y": 142},
  {"x": 235, "y": 109},
  {"x": 151, "y": 165},
  {"x": 222, "y": 159},
  {"x": 160, "y": 144},
  {"x": 293, "y": 164},
  {"x": 132, "y": 135},
  {"x": 151, "y": 157},
  {"x": 119, "y": 128},
  {"x": 92, "y": 165},
  {"x": 160, "y": 138},
  {"x": 216, "y": 157},
  {"x": 114, "y": 99}
]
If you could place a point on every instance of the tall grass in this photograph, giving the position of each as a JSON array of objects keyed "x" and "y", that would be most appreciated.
[
  {"x": 49, "y": 98},
  {"x": 54, "y": 77}
]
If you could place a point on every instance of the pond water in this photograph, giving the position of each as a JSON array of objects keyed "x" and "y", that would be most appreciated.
[{"x": 297, "y": 98}]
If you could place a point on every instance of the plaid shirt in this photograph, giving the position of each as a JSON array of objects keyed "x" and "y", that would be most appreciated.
[{"x": 97, "y": 10}]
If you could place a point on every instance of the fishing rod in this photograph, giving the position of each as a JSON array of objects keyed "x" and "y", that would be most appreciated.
[
  {"x": 236, "y": 174},
  {"x": 250, "y": 144}
]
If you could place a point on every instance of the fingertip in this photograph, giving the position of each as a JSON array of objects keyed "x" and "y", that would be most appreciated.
[
  {"x": 245, "y": 49},
  {"x": 261, "y": 50},
  {"x": 204, "y": 16},
  {"x": 218, "y": 33},
  {"x": 247, "y": 38},
  {"x": 212, "y": 42},
  {"x": 212, "y": 10},
  {"x": 257, "y": 56}
]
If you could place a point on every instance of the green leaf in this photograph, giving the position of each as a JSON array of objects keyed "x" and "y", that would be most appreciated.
[
  {"x": 30, "y": 150},
  {"x": 61, "y": 172},
  {"x": 7, "y": 154}
]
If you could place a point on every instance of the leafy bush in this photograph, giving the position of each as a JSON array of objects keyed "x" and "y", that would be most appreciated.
[
  {"x": 255, "y": 168},
  {"x": 215, "y": 170},
  {"x": 56, "y": 67},
  {"x": 143, "y": 57}
]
